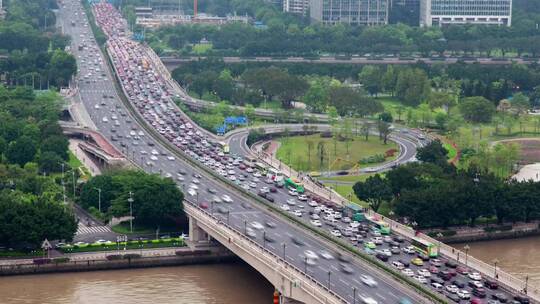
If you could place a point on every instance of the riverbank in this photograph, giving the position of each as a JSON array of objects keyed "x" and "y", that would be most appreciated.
[
  {"x": 485, "y": 233},
  {"x": 117, "y": 260}
]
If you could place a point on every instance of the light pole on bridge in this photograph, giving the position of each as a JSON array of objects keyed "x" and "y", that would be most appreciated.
[{"x": 130, "y": 200}]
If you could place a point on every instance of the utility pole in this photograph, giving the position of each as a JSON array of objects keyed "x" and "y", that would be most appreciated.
[
  {"x": 130, "y": 200},
  {"x": 99, "y": 198}
]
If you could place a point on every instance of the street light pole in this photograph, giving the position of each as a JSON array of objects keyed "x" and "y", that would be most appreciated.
[
  {"x": 245, "y": 226},
  {"x": 130, "y": 200},
  {"x": 264, "y": 239},
  {"x": 329, "y": 274},
  {"x": 228, "y": 214},
  {"x": 495, "y": 262},
  {"x": 354, "y": 294},
  {"x": 284, "y": 246},
  {"x": 466, "y": 247}
]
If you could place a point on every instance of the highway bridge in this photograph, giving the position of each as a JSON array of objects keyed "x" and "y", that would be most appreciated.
[{"x": 278, "y": 250}]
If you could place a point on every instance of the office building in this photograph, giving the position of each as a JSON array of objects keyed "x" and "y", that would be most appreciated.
[
  {"x": 296, "y": 6},
  {"x": 446, "y": 12},
  {"x": 404, "y": 11},
  {"x": 353, "y": 12}
]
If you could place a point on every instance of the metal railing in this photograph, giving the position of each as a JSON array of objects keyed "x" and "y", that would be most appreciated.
[{"x": 268, "y": 257}]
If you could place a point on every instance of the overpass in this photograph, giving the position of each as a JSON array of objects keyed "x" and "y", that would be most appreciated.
[{"x": 173, "y": 62}]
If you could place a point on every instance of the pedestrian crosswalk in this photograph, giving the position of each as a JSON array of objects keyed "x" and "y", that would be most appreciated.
[{"x": 83, "y": 229}]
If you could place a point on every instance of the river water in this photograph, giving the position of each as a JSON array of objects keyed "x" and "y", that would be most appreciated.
[
  {"x": 519, "y": 257},
  {"x": 212, "y": 284},
  {"x": 200, "y": 284}
]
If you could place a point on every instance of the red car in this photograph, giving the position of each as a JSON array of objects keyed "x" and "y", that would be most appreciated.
[
  {"x": 203, "y": 205},
  {"x": 462, "y": 270}
]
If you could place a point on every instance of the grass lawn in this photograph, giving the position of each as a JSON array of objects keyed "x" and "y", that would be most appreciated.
[
  {"x": 201, "y": 49},
  {"x": 112, "y": 246},
  {"x": 294, "y": 150},
  {"x": 349, "y": 178},
  {"x": 123, "y": 228}
]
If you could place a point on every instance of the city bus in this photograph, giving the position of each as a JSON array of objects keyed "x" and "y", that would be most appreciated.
[
  {"x": 382, "y": 227},
  {"x": 295, "y": 184},
  {"x": 275, "y": 175},
  {"x": 425, "y": 247}
]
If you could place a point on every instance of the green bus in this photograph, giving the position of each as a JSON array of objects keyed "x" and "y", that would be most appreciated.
[
  {"x": 295, "y": 184},
  {"x": 425, "y": 247},
  {"x": 382, "y": 227}
]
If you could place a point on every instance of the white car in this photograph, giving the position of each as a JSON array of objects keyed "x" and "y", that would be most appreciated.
[
  {"x": 463, "y": 294},
  {"x": 409, "y": 249},
  {"x": 293, "y": 192},
  {"x": 421, "y": 279},
  {"x": 398, "y": 265},
  {"x": 408, "y": 272},
  {"x": 369, "y": 281},
  {"x": 291, "y": 202},
  {"x": 192, "y": 192},
  {"x": 369, "y": 300},
  {"x": 257, "y": 225},
  {"x": 313, "y": 204},
  {"x": 193, "y": 186},
  {"x": 250, "y": 232},
  {"x": 311, "y": 255},
  {"x": 171, "y": 158},
  {"x": 475, "y": 276},
  {"x": 377, "y": 240},
  {"x": 298, "y": 213},
  {"x": 285, "y": 207},
  {"x": 265, "y": 190},
  {"x": 226, "y": 198},
  {"x": 153, "y": 157},
  {"x": 314, "y": 216},
  {"x": 326, "y": 255},
  {"x": 316, "y": 223},
  {"x": 424, "y": 272},
  {"x": 452, "y": 288},
  {"x": 336, "y": 233},
  {"x": 302, "y": 197}
]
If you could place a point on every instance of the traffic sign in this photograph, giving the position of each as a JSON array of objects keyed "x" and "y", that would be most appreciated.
[{"x": 46, "y": 245}]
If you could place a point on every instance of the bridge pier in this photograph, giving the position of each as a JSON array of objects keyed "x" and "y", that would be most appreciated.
[{"x": 197, "y": 236}]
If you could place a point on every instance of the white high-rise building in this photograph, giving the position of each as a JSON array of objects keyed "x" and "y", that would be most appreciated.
[
  {"x": 296, "y": 6},
  {"x": 444, "y": 12},
  {"x": 354, "y": 12}
]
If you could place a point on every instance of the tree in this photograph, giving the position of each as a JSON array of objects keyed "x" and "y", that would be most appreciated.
[
  {"x": 57, "y": 144},
  {"x": 50, "y": 162},
  {"x": 412, "y": 86},
  {"x": 374, "y": 191},
  {"x": 21, "y": 151},
  {"x": 321, "y": 152},
  {"x": 384, "y": 130},
  {"x": 520, "y": 102},
  {"x": 89, "y": 196},
  {"x": 310, "y": 146},
  {"x": 365, "y": 129},
  {"x": 371, "y": 79},
  {"x": 249, "y": 112},
  {"x": 441, "y": 119},
  {"x": 434, "y": 152},
  {"x": 477, "y": 109},
  {"x": 386, "y": 117}
]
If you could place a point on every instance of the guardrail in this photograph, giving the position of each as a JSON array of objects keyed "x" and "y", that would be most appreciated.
[{"x": 251, "y": 247}]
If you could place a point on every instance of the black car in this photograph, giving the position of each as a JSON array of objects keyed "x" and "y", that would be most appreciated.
[
  {"x": 499, "y": 297},
  {"x": 454, "y": 297},
  {"x": 435, "y": 279},
  {"x": 404, "y": 262},
  {"x": 491, "y": 284},
  {"x": 269, "y": 198},
  {"x": 522, "y": 299},
  {"x": 458, "y": 283},
  {"x": 399, "y": 239},
  {"x": 382, "y": 257}
]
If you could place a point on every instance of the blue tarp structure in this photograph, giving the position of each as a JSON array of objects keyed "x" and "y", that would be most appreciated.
[{"x": 230, "y": 122}]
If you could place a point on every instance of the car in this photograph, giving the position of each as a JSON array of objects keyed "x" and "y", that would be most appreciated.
[
  {"x": 475, "y": 284},
  {"x": 475, "y": 276},
  {"x": 250, "y": 232},
  {"x": 226, "y": 198},
  {"x": 370, "y": 245},
  {"x": 522, "y": 299},
  {"x": 437, "y": 286},
  {"x": 462, "y": 270},
  {"x": 369, "y": 300},
  {"x": 424, "y": 272},
  {"x": 298, "y": 213},
  {"x": 404, "y": 262},
  {"x": 336, "y": 233},
  {"x": 313, "y": 203},
  {"x": 297, "y": 241},
  {"x": 346, "y": 268},
  {"x": 316, "y": 223},
  {"x": 420, "y": 279},
  {"x": 398, "y": 265},
  {"x": 291, "y": 202},
  {"x": 326, "y": 255},
  {"x": 436, "y": 262},
  {"x": 395, "y": 250},
  {"x": 417, "y": 262},
  {"x": 368, "y": 280},
  {"x": 409, "y": 250},
  {"x": 311, "y": 255},
  {"x": 476, "y": 301},
  {"x": 479, "y": 292},
  {"x": 302, "y": 197},
  {"x": 100, "y": 242},
  {"x": 501, "y": 297},
  {"x": 433, "y": 269},
  {"x": 458, "y": 283},
  {"x": 382, "y": 257},
  {"x": 80, "y": 244},
  {"x": 285, "y": 207},
  {"x": 203, "y": 205},
  {"x": 408, "y": 272},
  {"x": 451, "y": 264},
  {"x": 491, "y": 284},
  {"x": 452, "y": 288},
  {"x": 256, "y": 225},
  {"x": 454, "y": 297}
]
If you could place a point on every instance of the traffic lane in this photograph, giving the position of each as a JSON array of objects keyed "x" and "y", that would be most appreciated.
[{"x": 159, "y": 163}]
